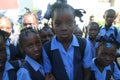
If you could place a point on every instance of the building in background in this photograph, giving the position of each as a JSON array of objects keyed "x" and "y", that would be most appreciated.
[
  {"x": 92, "y": 7},
  {"x": 7, "y": 4}
]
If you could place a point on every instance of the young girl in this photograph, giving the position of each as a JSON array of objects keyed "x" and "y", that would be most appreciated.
[
  {"x": 36, "y": 65},
  {"x": 93, "y": 30},
  {"x": 65, "y": 53},
  {"x": 46, "y": 33},
  {"x": 103, "y": 66},
  {"x": 77, "y": 31}
]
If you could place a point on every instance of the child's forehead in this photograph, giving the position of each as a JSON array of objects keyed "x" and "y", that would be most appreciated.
[
  {"x": 32, "y": 34},
  {"x": 107, "y": 46},
  {"x": 31, "y": 38},
  {"x": 104, "y": 50},
  {"x": 63, "y": 12}
]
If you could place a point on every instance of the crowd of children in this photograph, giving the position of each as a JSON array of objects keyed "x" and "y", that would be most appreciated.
[{"x": 59, "y": 52}]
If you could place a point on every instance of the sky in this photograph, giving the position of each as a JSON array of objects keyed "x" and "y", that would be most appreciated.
[{"x": 92, "y": 7}]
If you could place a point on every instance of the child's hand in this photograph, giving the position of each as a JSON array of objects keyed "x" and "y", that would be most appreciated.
[{"x": 49, "y": 76}]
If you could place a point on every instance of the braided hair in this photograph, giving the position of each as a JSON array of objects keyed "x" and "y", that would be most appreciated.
[
  {"x": 106, "y": 44},
  {"x": 24, "y": 33},
  {"x": 61, "y": 6},
  {"x": 45, "y": 28}
]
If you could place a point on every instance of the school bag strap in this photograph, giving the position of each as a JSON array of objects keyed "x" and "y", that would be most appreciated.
[
  {"x": 92, "y": 77},
  {"x": 110, "y": 72},
  {"x": 81, "y": 41},
  {"x": 35, "y": 75},
  {"x": 115, "y": 31},
  {"x": 12, "y": 72},
  {"x": 47, "y": 47},
  {"x": 15, "y": 53},
  {"x": 82, "y": 45}
]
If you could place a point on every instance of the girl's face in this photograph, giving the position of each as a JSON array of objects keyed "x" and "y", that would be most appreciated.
[
  {"x": 33, "y": 46},
  {"x": 46, "y": 35},
  {"x": 109, "y": 17},
  {"x": 93, "y": 31},
  {"x": 106, "y": 55},
  {"x": 3, "y": 55},
  {"x": 63, "y": 23}
]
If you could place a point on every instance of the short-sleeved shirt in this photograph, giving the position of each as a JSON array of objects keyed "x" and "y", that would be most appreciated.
[
  {"x": 13, "y": 39},
  {"x": 93, "y": 47},
  {"x": 110, "y": 31},
  {"x": 67, "y": 56},
  {"x": 23, "y": 73},
  {"x": 8, "y": 67},
  {"x": 8, "y": 49},
  {"x": 102, "y": 75}
]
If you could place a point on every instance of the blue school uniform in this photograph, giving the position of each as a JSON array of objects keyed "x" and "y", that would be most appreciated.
[
  {"x": 12, "y": 51},
  {"x": 93, "y": 47},
  {"x": 7, "y": 49},
  {"x": 8, "y": 67},
  {"x": 23, "y": 73},
  {"x": 67, "y": 64},
  {"x": 110, "y": 31},
  {"x": 102, "y": 75}
]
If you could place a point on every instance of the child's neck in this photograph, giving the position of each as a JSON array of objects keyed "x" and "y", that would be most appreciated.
[
  {"x": 107, "y": 26},
  {"x": 93, "y": 40},
  {"x": 66, "y": 43},
  {"x": 40, "y": 60},
  {"x": 99, "y": 66}
]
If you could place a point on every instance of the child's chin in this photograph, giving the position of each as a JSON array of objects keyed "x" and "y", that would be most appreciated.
[{"x": 106, "y": 64}]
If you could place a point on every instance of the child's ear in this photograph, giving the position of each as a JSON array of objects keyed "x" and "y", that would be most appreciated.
[{"x": 103, "y": 16}]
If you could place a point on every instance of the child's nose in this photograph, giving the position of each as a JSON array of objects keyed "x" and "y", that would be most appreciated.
[
  {"x": 47, "y": 38},
  {"x": 108, "y": 58},
  {"x": 64, "y": 26},
  {"x": 35, "y": 47}
]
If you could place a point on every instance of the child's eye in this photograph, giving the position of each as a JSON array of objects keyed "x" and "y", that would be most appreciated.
[
  {"x": 57, "y": 23},
  {"x": 43, "y": 37},
  {"x": 50, "y": 35},
  {"x": 112, "y": 55},
  {"x": 38, "y": 43},
  {"x": 70, "y": 22},
  {"x": 103, "y": 54},
  {"x": 30, "y": 46}
]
